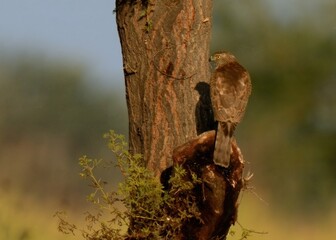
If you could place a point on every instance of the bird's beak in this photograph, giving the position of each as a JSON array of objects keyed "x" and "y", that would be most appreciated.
[{"x": 211, "y": 59}]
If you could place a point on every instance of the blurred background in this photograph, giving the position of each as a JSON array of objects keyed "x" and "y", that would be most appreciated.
[{"x": 62, "y": 88}]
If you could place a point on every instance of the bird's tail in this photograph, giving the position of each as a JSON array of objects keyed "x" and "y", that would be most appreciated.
[{"x": 222, "y": 150}]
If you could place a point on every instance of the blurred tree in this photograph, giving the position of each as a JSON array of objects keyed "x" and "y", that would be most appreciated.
[
  {"x": 39, "y": 96},
  {"x": 50, "y": 116}
]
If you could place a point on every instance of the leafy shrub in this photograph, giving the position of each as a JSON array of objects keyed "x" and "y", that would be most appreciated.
[{"x": 140, "y": 208}]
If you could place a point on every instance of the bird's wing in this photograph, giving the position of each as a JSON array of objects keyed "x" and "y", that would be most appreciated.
[{"x": 230, "y": 90}]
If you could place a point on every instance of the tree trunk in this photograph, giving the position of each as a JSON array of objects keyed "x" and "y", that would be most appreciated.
[{"x": 165, "y": 48}]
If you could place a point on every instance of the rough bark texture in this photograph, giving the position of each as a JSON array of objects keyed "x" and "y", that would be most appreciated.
[
  {"x": 165, "y": 47},
  {"x": 218, "y": 199}
]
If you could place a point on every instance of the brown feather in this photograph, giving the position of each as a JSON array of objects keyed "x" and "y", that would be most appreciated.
[{"x": 222, "y": 150}]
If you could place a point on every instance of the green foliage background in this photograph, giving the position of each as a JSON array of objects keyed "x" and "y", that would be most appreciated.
[
  {"x": 289, "y": 131},
  {"x": 50, "y": 115}
]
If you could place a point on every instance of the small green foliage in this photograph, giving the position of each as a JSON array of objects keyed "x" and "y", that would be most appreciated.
[
  {"x": 180, "y": 202},
  {"x": 245, "y": 233},
  {"x": 148, "y": 26},
  {"x": 64, "y": 226},
  {"x": 140, "y": 208}
]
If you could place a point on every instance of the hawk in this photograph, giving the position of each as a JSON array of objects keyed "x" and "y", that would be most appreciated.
[{"x": 230, "y": 88}]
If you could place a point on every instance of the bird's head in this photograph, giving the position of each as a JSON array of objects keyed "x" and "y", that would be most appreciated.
[{"x": 222, "y": 57}]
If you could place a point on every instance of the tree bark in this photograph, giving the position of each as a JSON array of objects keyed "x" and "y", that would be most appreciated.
[
  {"x": 165, "y": 48},
  {"x": 218, "y": 199}
]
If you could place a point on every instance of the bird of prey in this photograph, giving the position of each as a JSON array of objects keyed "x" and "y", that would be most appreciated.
[{"x": 230, "y": 88}]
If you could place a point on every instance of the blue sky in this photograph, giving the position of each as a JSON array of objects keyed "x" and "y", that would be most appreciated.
[{"x": 84, "y": 31}]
